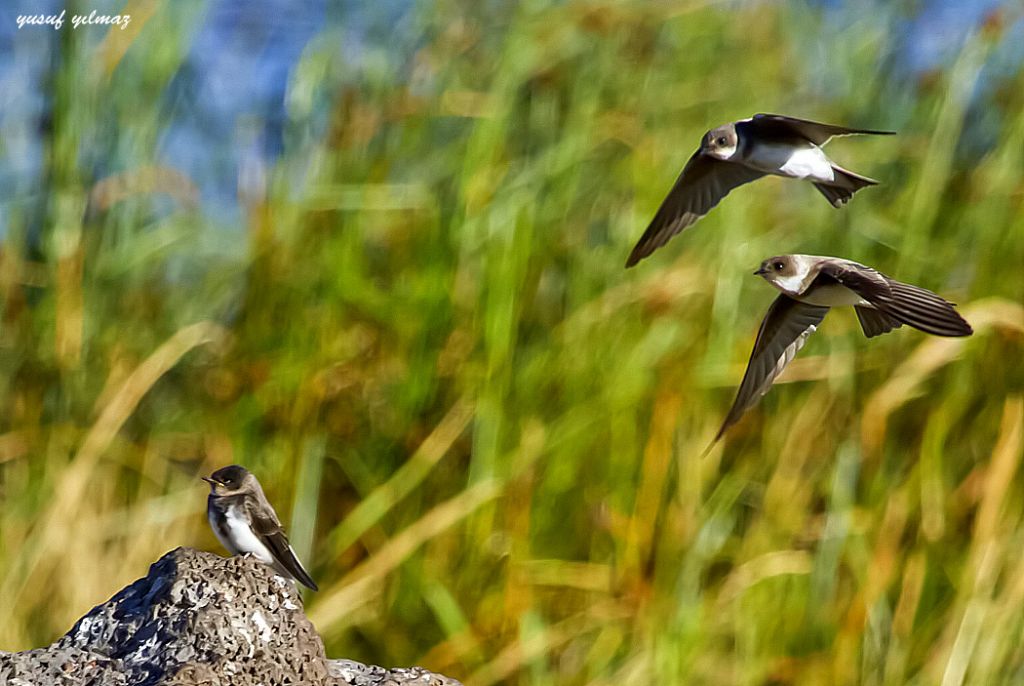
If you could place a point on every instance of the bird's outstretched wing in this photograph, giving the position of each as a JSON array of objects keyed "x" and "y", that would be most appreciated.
[
  {"x": 701, "y": 185},
  {"x": 780, "y": 126},
  {"x": 783, "y": 332},
  {"x": 911, "y": 305}
]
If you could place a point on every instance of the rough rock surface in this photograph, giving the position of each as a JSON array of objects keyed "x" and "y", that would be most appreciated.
[{"x": 198, "y": 618}]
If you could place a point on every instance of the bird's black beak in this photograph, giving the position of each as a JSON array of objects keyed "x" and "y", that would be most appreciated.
[
  {"x": 760, "y": 271},
  {"x": 210, "y": 481}
]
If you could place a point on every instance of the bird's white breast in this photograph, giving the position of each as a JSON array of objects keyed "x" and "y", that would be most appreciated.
[
  {"x": 790, "y": 285},
  {"x": 238, "y": 537},
  {"x": 797, "y": 162}
]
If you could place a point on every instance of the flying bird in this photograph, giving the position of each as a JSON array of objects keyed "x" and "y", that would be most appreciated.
[
  {"x": 744, "y": 151},
  {"x": 245, "y": 522},
  {"x": 810, "y": 285}
]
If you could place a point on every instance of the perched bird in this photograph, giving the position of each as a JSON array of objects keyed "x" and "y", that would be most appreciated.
[
  {"x": 245, "y": 522},
  {"x": 810, "y": 285},
  {"x": 744, "y": 151}
]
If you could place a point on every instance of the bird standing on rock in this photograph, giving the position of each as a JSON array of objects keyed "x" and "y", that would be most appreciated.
[{"x": 245, "y": 522}]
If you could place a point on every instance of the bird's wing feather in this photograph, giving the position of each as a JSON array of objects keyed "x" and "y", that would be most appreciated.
[
  {"x": 783, "y": 333},
  {"x": 777, "y": 125},
  {"x": 866, "y": 282},
  {"x": 912, "y": 305},
  {"x": 268, "y": 528},
  {"x": 701, "y": 185}
]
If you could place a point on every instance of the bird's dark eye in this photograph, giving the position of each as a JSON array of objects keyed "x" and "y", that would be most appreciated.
[
  {"x": 721, "y": 140},
  {"x": 778, "y": 266}
]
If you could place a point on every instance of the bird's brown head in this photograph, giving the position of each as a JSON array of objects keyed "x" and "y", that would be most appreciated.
[
  {"x": 778, "y": 267},
  {"x": 720, "y": 142},
  {"x": 788, "y": 273},
  {"x": 230, "y": 480}
]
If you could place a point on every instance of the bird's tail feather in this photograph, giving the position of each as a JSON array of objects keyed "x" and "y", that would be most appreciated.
[
  {"x": 845, "y": 184},
  {"x": 875, "y": 323}
]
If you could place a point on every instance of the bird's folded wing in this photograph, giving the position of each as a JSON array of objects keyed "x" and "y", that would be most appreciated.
[
  {"x": 783, "y": 332},
  {"x": 268, "y": 528},
  {"x": 701, "y": 185},
  {"x": 777, "y": 125}
]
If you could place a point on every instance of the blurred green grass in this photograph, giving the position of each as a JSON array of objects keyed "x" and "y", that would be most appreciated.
[{"x": 486, "y": 432}]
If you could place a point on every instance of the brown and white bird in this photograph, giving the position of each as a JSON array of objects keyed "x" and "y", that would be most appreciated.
[
  {"x": 810, "y": 285},
  {"x": 245, "y": 522},
  {"x": 744, "y": 151}
]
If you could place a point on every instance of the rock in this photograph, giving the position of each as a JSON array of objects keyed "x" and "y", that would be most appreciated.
[{"x": 198, "y": 618}]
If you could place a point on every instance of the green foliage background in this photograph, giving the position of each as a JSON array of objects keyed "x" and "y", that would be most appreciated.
[{"x": 484, "y": 433}]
